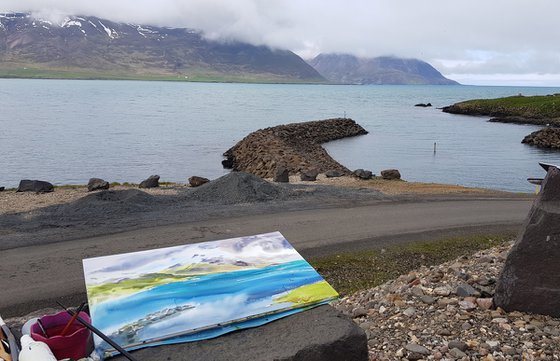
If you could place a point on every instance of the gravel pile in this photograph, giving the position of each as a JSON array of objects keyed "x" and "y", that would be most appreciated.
[
  {"x": 107, "y": 203},
  {"x": 237, "y": 187},
  {"x": 445, "y": 312}
]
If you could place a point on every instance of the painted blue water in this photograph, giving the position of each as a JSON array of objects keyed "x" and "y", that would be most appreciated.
[
  {"x": 216, "y": 298},
  {"x": 68, "y": 131}
]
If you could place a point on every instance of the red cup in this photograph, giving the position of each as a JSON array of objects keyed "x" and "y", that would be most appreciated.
[{"x": 74, "y": 344}]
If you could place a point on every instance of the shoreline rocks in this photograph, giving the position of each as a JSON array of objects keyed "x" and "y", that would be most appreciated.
[
  {"x": 296, "y": 147},
  {"x": 150, "y": 182},
  {"x": 95, "y": 184},
  {"x": 391, "y": 174},
  {"x": 196, "y": 181},
  {"x": 544, "y": 138},
  {"x": 36, "y": 186}
]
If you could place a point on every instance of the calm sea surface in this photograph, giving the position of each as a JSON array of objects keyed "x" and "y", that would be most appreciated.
[{"x": 67, "y": 131}]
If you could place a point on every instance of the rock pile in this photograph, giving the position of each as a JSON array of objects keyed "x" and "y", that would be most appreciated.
[
  {"x": 296, "y": 147},
  {"x": 544, "y": 138},
  {"x": 446, "y": 312}
]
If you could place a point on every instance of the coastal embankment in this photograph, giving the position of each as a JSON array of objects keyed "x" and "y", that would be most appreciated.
[
  {"x": 519, "y": 109},
  {"x": 295, "y": 147},
  {"x": 544, "y": 138},
  {"x": 533, "y": 110}
]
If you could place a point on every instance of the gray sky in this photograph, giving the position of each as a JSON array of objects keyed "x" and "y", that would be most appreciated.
[{"x": 502, "y": 42}]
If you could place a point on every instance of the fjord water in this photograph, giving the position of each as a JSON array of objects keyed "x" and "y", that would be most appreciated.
[{"x": 67, "y": 131}]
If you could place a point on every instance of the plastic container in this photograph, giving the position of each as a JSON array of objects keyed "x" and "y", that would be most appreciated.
[
  {"x": 75, "y": 344},
  {"x": 34, "y": 350}
]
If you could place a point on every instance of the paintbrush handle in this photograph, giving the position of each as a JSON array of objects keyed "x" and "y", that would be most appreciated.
[{"x": 71, "y": 321}]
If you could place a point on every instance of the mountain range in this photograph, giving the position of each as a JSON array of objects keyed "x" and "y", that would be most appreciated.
[
  {"x": 349, "y": 69},
  {"x": 87, "y": 47},
  {"x": 81, "y": 46}
]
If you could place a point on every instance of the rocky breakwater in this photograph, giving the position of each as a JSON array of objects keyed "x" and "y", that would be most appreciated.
[
  {"x": 295, "y": 147},
  {"x": 544, "y": 138}
]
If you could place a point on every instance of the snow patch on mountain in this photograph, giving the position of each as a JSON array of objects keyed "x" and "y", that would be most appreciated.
[{"x": 110, "y": 33}]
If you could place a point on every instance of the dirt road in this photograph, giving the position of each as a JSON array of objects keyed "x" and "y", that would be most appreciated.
[{"x": 34, "y": 276}]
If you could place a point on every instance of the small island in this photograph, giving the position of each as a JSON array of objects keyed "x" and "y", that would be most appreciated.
[
  {"x": 536, "y": 110},
  {"x": 519, "y": 109}
]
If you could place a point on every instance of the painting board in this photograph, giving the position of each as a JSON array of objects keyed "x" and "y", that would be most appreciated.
[{"x": 199, "y": 291}]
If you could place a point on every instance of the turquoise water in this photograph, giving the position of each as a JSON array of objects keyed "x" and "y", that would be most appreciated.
[
  {"x": 212, "y": 300},
  {"x": 67, "y": 131}
]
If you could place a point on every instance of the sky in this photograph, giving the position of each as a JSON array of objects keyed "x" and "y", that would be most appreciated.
[{"x": 481, "y": 42}]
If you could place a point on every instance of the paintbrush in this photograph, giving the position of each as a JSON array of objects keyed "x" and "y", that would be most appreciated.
[
  {"x": 71, "y": 321},
  {"x": 42, "y": 327}
]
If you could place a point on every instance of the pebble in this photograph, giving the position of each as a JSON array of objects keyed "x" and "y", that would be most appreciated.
[
  {"x": 435, "y": 324},
  {"x": 466, "y": 290},
  {"x": 457, "y": 344},
  {"x": 455, "y": 352},
  {"x": 409, "y": 312},
  {"x": 414, "y": 348},
  {"x": 428, "y": 299},
  {"x": 484, "y": 303}
]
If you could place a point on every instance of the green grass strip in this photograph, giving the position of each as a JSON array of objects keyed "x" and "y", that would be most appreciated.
[{"x": 354, "y": 271}]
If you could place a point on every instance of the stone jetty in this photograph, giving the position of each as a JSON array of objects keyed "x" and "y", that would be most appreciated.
[
  {"x": 544, "y": 138},
  {"x": 295, "y": 147}
]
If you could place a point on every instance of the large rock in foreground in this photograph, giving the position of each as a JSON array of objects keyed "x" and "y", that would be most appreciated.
[
  {"x": 530, "y": 280},
  {"x": 296, "y": 147},
  {"x": 319, "y": 334}
]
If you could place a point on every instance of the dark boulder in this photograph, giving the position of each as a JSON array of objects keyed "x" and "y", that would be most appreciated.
[
  {"x": 391, "y": 174},
  {"x": 530, "y": 279},
  {"x": 424, "y": 105},
  {"x": 334, "y": 173},
  {"x": 363, "y": 174},
  {"x": 2, "y": 189},
  {"x": 36, "y": 186},
  {"x": 318, "y": 334},
  {"x": 150, "y": 182},
  {"x": 227, "y": 163},
  {"x": 97, "y": 184},
  {"x": 309, "y": 175},
  {"x": 196, "y": 181},
  {"x": 282, "y": 175}
]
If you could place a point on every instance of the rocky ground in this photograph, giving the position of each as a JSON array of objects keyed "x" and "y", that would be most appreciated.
[{"x": 445, "y": 312}]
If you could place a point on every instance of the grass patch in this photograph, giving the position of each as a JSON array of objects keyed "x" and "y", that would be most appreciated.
[
  {"x": 354, "y": 271},
  {"x": 196, "y": 75},
  {"x": 541, "y": 106}
]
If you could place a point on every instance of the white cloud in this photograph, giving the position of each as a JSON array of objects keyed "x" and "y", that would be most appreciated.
[{"x": 461, "y": 37}]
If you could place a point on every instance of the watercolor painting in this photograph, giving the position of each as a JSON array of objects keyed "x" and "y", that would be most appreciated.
[{"x": 199, "y": 291}]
